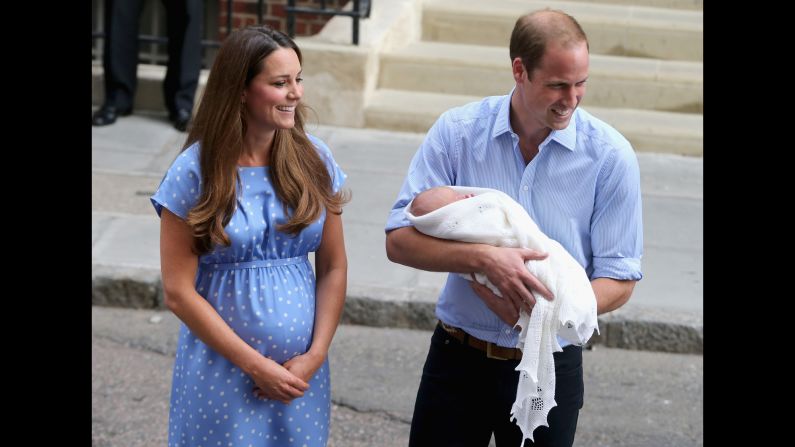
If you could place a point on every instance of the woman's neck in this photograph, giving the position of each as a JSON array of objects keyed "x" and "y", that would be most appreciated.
[{"x": 256, "y": 148}]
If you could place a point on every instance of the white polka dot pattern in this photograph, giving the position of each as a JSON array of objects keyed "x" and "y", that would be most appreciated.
[{"x": 263, "y": 286}]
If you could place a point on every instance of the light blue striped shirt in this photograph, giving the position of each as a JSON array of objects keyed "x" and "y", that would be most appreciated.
[{"x": 582, "y": 189}]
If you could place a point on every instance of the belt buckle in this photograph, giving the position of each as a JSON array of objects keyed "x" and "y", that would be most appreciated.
[{"x": 490, "y": 355}]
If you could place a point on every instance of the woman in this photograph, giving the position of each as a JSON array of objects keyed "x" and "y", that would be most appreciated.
[{"x": 249, "y": 196}]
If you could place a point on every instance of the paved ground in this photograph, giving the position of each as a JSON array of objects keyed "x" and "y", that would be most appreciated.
[{"x": 632, "y": 398}]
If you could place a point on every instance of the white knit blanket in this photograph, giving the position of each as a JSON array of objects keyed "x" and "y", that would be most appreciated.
[{"x": 492, "y": 217}]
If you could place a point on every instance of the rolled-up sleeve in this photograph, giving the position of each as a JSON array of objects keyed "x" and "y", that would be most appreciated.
[{"x": 617, "y": 222}]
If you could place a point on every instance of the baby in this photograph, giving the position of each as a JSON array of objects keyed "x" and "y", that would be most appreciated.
[
  {"x": 494, "y": 218},
  {"x": 489, "y": 216},
  {"x": 434, "y": 198}
]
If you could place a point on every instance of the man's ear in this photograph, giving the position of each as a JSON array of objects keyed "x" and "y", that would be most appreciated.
[{"x": 518, "y": 70}]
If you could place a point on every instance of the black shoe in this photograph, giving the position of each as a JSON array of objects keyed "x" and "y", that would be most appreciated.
[
  {"x": 107, "y": 115},
  {"x": 180, "y": 119}
]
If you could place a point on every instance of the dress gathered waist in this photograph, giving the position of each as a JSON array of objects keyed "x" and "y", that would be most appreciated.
[{"x": 257, "y": 264}]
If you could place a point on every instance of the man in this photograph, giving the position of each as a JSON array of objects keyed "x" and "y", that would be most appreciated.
[
  {"x": 577, "y": 177},
  {"x": 120, "y": 59}
]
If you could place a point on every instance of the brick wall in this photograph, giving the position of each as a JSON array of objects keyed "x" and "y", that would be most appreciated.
[{"x": 244, "y": 13}]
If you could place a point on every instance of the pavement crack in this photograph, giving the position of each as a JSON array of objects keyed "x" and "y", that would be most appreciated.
[
  {"x": 135, "y": 345},
  {"x": 382, "y": 413}
]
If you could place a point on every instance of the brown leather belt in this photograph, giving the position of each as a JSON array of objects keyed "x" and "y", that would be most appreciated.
[{"x": 492, "y": 351}]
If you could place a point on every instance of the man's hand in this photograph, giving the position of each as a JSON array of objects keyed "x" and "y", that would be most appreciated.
[
  {"x": 507, "y": 271},
  {"x": 503, "y": 307}
]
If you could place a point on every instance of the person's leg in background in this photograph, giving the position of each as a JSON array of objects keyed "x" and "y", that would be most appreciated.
[
  {"x": 184, "y": 28},
  {"x": 119, "y": 60}
]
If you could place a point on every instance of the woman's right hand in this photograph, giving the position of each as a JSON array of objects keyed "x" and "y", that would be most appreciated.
[{"x": 275, "y": 382}]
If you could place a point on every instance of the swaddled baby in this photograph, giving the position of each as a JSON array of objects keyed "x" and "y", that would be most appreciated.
[{"x": 489, "y": 216}]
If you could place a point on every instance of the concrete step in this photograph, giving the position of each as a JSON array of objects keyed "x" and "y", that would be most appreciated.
[
  {"x": 694, "y": 5},
  {"x": 149, "y": 94},
  {"x": 622, "y": 30},
  {"x": 615, "y": 81},
  {"x": 648, "y": 131}
]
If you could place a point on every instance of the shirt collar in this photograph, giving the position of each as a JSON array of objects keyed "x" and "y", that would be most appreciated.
[
  {"x": 566, "y": 137},
  {"x": 503, "y": 122}
]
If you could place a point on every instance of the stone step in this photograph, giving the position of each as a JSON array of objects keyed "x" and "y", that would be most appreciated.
[
  {"x": 621, "y": 30},
  {"x": 648, "y": 131},
  {"x": 149, "y": 94},
  {"x": 614, "y": 81},
  {"x": 694, "y": 5}
]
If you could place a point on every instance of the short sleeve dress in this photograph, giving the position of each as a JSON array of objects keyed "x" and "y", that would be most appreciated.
[{"x": 263, "y": 286}]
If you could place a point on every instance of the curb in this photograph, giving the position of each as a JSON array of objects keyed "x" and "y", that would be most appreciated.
[
  {"x": 635, "y": 328},
  {"x": 126, "y": 286}
]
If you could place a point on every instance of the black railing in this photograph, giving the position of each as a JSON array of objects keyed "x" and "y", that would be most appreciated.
[
  {"x": 145, "y": 38},
  {"x": 361, "y": 10}
]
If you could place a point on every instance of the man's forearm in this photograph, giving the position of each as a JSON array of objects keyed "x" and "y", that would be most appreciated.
[
  {"x": 409, "y": 247},
  {"x": 611, "y": 293}
]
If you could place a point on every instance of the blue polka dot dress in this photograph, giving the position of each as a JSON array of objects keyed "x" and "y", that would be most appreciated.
[{"x": 263, "y": 286}]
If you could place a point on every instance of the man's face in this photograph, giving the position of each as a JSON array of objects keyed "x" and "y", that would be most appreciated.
[{"x": 551, "y": 93}]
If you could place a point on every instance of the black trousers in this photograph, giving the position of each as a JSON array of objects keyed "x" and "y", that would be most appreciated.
[
  {"x": 464, "y": 397},
  {"x": 120, "y": 58}
]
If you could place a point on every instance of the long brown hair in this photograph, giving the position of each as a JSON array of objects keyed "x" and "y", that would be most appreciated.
[{"x": 300, "y": 178}]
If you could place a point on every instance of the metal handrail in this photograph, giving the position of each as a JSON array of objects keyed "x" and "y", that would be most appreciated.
[
  {"x": 361, "y": 10},
  {"x": 145, "y": 38}
]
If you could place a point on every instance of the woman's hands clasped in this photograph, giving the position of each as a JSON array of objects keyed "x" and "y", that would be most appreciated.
[
  {"x": 289, "y": 381},
  {"x": 274, "y": 381}
]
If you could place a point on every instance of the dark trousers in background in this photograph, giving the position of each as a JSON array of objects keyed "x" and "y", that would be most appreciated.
[
  {"x": 464, "y": 396},
  {"x": 120, "y": 58}
]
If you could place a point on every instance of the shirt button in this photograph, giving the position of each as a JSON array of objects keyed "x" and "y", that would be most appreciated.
[{"x": 524, "y": 187}]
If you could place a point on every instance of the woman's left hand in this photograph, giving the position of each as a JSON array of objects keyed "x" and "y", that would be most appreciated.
[{"x": 305, "y": 365}]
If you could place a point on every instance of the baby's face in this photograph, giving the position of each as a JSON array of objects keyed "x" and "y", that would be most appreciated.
[
  {"x": 433, "y": 199},
  {"x": 445, "y": 196}
]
